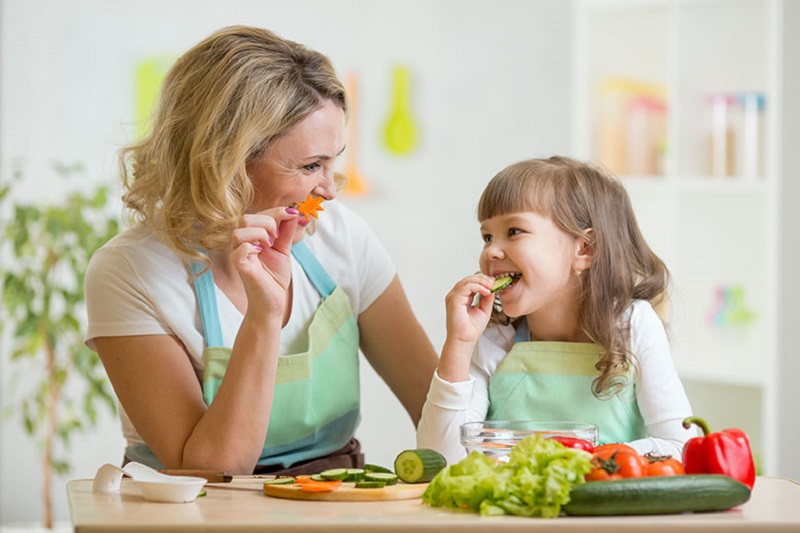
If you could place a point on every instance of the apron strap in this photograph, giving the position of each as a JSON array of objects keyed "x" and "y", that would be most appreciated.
[
  {"x": 313, "y": 269},
  {"x": 207, "y": 299},
  {"x": 522, "y": 334},
  {"x": 207, "y": 296}
]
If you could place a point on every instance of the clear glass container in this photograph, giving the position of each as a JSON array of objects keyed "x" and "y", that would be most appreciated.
[{"x": 495, "y": 438}]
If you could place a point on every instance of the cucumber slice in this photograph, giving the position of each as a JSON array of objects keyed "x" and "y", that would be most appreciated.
[
  {"x": 289, "y": 480},
  {"x": 502, "y": 283},
  {"x": 318, "y": 477},
  {"x": 376, "y": 468},
  {"x": 385, "y": 477},
  {"x": 370, "y": 484},
  {"x": 355, "y": 474},
  {"x": 418, "y": 466},
  {"x": 334, "y": 474}
]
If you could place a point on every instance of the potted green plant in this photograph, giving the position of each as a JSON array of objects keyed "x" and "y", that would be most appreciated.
[{"x": 55, "y": 383}]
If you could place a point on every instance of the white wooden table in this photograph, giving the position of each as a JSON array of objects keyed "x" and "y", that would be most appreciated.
[{"x": 241, "y": 506}]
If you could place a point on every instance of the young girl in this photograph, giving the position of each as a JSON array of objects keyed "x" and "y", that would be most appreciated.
[{"x": 575, "y": 336}]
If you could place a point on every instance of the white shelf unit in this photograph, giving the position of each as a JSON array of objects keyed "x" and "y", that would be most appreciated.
[{"x": 723, "y": 237}]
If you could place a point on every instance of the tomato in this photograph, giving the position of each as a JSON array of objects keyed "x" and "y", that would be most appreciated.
[
  {"x": 663, "y": 465},
  {"x": 571, "y": 442},
  {"x": 616, "y": 461},
  {"x": 615, "y": 446}
]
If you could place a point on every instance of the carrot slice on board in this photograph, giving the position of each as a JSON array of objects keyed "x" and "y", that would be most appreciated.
[{"x": 321, "y": 486}]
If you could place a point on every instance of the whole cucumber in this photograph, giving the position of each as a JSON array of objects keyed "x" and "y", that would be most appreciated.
[
  {"x": 657, "y": 495},
  {"x": 418, "y": 466}
]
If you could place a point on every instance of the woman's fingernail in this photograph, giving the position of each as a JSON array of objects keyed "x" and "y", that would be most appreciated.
[
  {"x": 292, "y": 211},
  {"x": 257, "y": 247}
]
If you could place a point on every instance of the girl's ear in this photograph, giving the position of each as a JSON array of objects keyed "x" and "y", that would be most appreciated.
[{"x": 583, "y": 251}]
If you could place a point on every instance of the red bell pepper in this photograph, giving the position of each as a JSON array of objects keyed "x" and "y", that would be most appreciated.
[
  {"x": 724, "y": 452},
  {"x": 571, "y": 442}
]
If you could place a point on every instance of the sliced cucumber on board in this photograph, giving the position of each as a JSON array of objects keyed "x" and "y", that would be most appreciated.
[
  {"x": 334, "y": 474},
  {"x": 376, "y": 468},
  {"x": 370, "y": 484},
  {"x": 657, "y": 495},
  {"x": 383, "y": 477},
  {"x": 280, "y": 481},
  {"x": 355, "y": 474},
  {"x": 418, "y": 466}
]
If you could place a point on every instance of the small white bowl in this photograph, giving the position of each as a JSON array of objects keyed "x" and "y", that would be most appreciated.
[{"x": 179, "y": 489}]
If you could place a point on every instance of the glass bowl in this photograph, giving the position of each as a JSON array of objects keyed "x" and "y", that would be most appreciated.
[{"x": 495, "y": 438}]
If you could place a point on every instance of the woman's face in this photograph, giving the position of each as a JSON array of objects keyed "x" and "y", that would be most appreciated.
[{"x": 300, "y": 162}]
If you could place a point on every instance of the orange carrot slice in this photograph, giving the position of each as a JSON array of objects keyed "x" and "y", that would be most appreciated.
[
  {"x": 310, "y": 206},
  {"x": 320, "y": 486}
]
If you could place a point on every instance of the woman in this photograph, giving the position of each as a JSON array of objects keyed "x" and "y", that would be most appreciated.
[{"x": 229, "y": 328}]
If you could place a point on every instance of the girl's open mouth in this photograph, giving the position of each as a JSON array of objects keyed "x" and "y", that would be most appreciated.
[{"x": 504, "y": 281}]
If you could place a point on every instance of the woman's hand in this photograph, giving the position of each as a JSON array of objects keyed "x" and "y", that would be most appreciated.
[
  {"x": 465, "y": 324},
  {"x": 262, "y": 247}
]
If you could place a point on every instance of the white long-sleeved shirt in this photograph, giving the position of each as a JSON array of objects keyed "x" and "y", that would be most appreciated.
[{"x": 660, "y": 395}]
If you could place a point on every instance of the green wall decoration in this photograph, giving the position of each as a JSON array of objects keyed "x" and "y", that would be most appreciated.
[
  {"x": 401, "y": 129},
  {"x": 149, "y": 76}
]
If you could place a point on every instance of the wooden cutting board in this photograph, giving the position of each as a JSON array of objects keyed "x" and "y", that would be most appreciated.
[{"x": 348, "y": 493}]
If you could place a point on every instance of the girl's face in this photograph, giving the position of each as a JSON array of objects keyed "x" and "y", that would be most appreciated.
[
  {"x": 300, "y": 162},
  {"x": 542, "y": 254}
]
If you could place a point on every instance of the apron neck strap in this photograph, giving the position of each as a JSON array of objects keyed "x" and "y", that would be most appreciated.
[
  {"x": 313, "y": 269},
  {"x": 207, "y": 300},
  {"x": 522, "y": 334},
  {"x": 207, "y": 296}
]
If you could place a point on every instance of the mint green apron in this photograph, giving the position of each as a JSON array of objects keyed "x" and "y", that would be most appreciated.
[
  {"x": 315, "y": 407},
  {"x": 553, "y": 381}
]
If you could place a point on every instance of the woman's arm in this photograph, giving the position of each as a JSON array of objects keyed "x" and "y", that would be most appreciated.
[
  {"x": 159, "y": 390},
  {"x": 397, "y": 347},
  {"x": 156, "y": 383}
]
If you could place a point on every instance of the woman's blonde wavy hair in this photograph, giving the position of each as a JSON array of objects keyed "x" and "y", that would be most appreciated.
[
  {"x": 221, "y": 105},
  {"x": 579, "y": 196}
]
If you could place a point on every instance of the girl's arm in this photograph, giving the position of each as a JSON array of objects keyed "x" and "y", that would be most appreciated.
[
  {"x": 454, "y": 396},
  {"x": 397, "y": 347},
  {"x": 660, "y": 394},
  {"x": 447, "y": 407},
  {"x": 465, "y": 324}
]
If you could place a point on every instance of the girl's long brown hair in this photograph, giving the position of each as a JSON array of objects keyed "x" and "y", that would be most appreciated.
[{"x": 579, "y": 196}]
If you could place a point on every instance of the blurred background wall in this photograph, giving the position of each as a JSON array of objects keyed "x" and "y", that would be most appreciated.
[{"x": 490, "y": 84}]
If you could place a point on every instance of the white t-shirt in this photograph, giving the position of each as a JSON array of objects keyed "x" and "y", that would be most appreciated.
[
  {"x": 135, "y": 285},
  {"x": 659, "y": 391}
]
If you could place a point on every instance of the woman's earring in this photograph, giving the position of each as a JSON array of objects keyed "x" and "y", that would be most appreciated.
[{"x": 578, "y": 273}]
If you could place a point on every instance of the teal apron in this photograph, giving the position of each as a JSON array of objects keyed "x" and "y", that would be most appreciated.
[
  {"x": 315, "y": 407},
  {"x": 553, "y": 381}
]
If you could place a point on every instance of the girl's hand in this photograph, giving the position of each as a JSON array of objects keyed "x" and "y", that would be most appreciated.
[
  {"x": 262, "y": 247},
  {"x": 465, "y": 321},
  {"x": 465, "y": 324}
]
